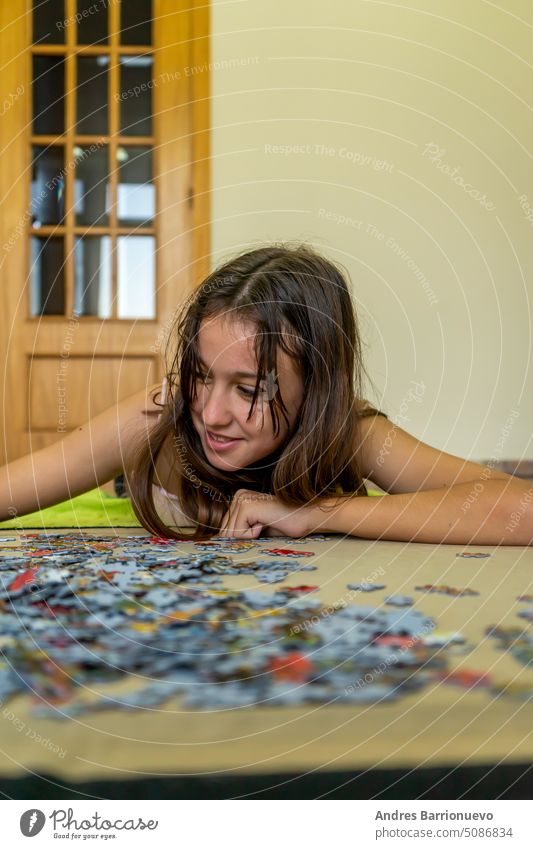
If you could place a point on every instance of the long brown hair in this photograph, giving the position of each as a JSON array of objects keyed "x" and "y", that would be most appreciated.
[{"x": 300, "y": 303}]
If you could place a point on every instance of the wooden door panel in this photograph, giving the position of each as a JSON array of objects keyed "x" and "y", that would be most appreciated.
[{"x": 66, "y": 392}]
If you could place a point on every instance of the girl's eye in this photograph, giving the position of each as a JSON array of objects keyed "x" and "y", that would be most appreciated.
[{"x": 246, "y": 391}]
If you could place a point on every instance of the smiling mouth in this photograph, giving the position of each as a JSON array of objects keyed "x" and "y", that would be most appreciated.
[{"x": 221, "y": 440}]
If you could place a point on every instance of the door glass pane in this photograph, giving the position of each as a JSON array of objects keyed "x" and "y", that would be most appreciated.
[
  {"x": 136, "y": 80},
  {"x": 91, "y": 95},
  {"x": 48, "y": 22},
  {"x": 92, "y": 276},
  {"x": 47, "y": 185},
  {"x": 136, "y": 277},
  {"x": 91, "y": 186},
  {"x": 136, "y": 22},
  {"x": 48, "y": 95},
  {"x": 47, "y": 291},
  {"x": 136, "y": 192},
  {"x": 92, "y": 22}
]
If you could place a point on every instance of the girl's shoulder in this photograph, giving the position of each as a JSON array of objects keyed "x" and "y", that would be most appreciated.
[
  {"x": 364, "y": 409},
  {"x": 398, "y": 462},
  {"x": 369, "y": 423}
]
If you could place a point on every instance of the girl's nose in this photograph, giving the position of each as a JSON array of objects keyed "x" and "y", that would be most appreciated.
[{"x": 216, "y": 410}]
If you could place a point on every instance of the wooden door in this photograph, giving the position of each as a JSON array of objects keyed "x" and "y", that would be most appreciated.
[{"x": 104, "y": 188}]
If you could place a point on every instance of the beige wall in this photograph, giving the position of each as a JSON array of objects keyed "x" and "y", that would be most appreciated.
[{"x": 351, "y": 125}]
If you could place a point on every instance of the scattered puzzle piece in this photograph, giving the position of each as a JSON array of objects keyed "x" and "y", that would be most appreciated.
[
  {"x": 443, "y": 638},
  {"x": 467, "y": 678},
  {"x": 366, "y": 587},
  {"x": 512, "y": 690},
  {"x": 400, "y": 600},
  {"x": 443, "y": 589},
  {"x": 286, "y": 552},
  {"x": 526, "y": 614},
  {"x": 479, "y": 554}
]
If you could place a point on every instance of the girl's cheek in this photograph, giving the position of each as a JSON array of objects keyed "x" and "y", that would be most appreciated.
[
  {"x": 199, "y": 400},
  {"x": 255, "y": 420},
  {"x": 196, "y": 406}
]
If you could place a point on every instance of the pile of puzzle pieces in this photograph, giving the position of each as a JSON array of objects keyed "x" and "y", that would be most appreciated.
[{"x": 76, "y": 612}]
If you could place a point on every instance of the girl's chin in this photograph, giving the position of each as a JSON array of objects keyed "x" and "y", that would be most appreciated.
[
  {"x": 231, "y": 463},
  {"x": 225, "y": 465},
  {"x": 234, "y": 464}
]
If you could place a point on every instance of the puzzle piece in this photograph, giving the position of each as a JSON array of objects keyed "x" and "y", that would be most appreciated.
[
  {"x": 366, "y": 587},
  {"x": 286, "y": 552},
  {"x": 443, "y": 589},
  {"x": 399, "y": 600},
  {"x": 479, "y": 554},
  {"x": 466, "y": 678},
  {"x": 526, "y": 614}
]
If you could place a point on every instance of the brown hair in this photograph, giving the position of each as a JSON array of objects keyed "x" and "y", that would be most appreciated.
[{"x": 301, "y": 304}]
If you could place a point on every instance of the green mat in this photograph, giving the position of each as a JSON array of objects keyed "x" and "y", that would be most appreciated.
[{"x": 95, "y": 509}]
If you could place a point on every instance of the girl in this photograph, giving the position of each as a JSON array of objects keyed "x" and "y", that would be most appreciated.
[{"x": 260, "y": 429}]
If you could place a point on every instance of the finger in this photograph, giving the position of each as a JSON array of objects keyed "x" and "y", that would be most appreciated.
[
  {"x": 239, "y": 525},
  {"x": 244, "y": 533},
  {"x": 251, "y": 529}
]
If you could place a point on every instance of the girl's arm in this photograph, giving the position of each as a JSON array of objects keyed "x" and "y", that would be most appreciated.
[
  {"x": 436, "y": 497},
  {"x": 87, "y": 457},
  {"x": 398, "y": 462}
]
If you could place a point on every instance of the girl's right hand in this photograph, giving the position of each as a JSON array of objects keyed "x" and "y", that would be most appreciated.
[{"x": 252, "y": 514}]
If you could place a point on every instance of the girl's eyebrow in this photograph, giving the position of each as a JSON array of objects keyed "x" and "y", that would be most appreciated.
[{"x": 235, "y": 373}]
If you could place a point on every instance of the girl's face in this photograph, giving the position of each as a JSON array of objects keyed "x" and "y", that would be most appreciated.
[{"x": 225, "y": 390}]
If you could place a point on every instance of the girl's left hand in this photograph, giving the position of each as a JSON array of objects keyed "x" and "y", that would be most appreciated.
[{"x": 250, "y": 512}]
